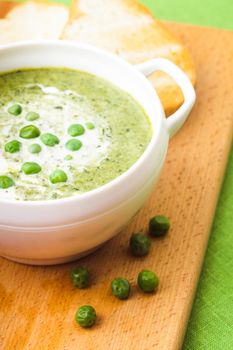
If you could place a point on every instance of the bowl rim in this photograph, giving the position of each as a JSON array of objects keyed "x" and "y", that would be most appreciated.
[{"x": 155, "y": 130}]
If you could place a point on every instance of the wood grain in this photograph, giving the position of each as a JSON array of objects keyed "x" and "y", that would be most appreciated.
[{"x": 38, "y": 303}]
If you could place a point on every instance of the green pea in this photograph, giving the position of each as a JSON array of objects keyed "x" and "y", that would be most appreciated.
[
  {"x": 29, "y": 132},
  {"x": 68, "y": 157},
  {"x": 90, "y": 125},
  {"x": 86, "y": 316},
  {"x": 147, "y": 281},
  {"x": 15, "y": 109},
  {"x": 73, "y": 145},
  {"x": 76, "y": 130},
  {"x": 34, "y": 148},
  {"x": 159, "y": 225},
  {"x": 58, "y": 176},
  {"x": 80, "y": 277},
  {"x": 12, "y": 146},
  {"x": 30, "y": 168},
  {"x": 50, "y": 139},
  {"x": 120, "y": 288},
  {"x": 32, "y": 116},
  {"x": 6, "y": 182},
  {"x": 139, "y": 244}
]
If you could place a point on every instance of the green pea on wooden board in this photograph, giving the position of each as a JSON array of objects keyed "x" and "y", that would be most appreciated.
[
  {"x": 80, "y": 277},
  {"x": 86, "y": 316},
  {"x": 139, "y": 244},
  {"x": 120, "y": 288},
  {"x": 159, "y": 225},
  {"x": 147, "y": 281}
]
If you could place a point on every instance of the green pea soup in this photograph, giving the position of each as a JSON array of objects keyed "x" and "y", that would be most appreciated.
[{"x": 66, "y": 122}]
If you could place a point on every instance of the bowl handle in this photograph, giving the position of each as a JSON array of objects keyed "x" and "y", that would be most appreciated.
[{"x": 177, "y": 119}]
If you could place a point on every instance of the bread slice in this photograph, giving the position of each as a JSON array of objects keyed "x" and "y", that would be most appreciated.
[
  {"x": 123, "y": 27},
  {"x": 31, "y": 20},
  {"x": 5, "y": 7},
  {"x": 126, "y": 28}
]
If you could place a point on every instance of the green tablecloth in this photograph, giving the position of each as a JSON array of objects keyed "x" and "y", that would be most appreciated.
[{"x": 211, "y": 322}]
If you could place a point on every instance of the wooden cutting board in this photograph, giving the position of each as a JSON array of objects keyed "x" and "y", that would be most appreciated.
[{"x": 38, "y": 303}]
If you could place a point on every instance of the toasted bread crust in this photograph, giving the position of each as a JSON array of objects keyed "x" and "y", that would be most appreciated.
[
  {"x": 123, "y": 27},
  {"x": 6, "y": 7},
  {"x": 31, "y": 20},
  {"x": 128, "y": 29}
]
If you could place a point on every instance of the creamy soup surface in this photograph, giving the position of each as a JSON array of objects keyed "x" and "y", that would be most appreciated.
[{"x": 65, "y": 132}]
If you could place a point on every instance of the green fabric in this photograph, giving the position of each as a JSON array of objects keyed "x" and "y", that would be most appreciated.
[
  {"x": 215, "y": 13},
  {"x": 211, "y": 322}
]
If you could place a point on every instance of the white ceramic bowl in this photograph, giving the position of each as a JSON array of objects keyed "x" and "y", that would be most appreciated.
[{"x": 57, "y": 231}]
